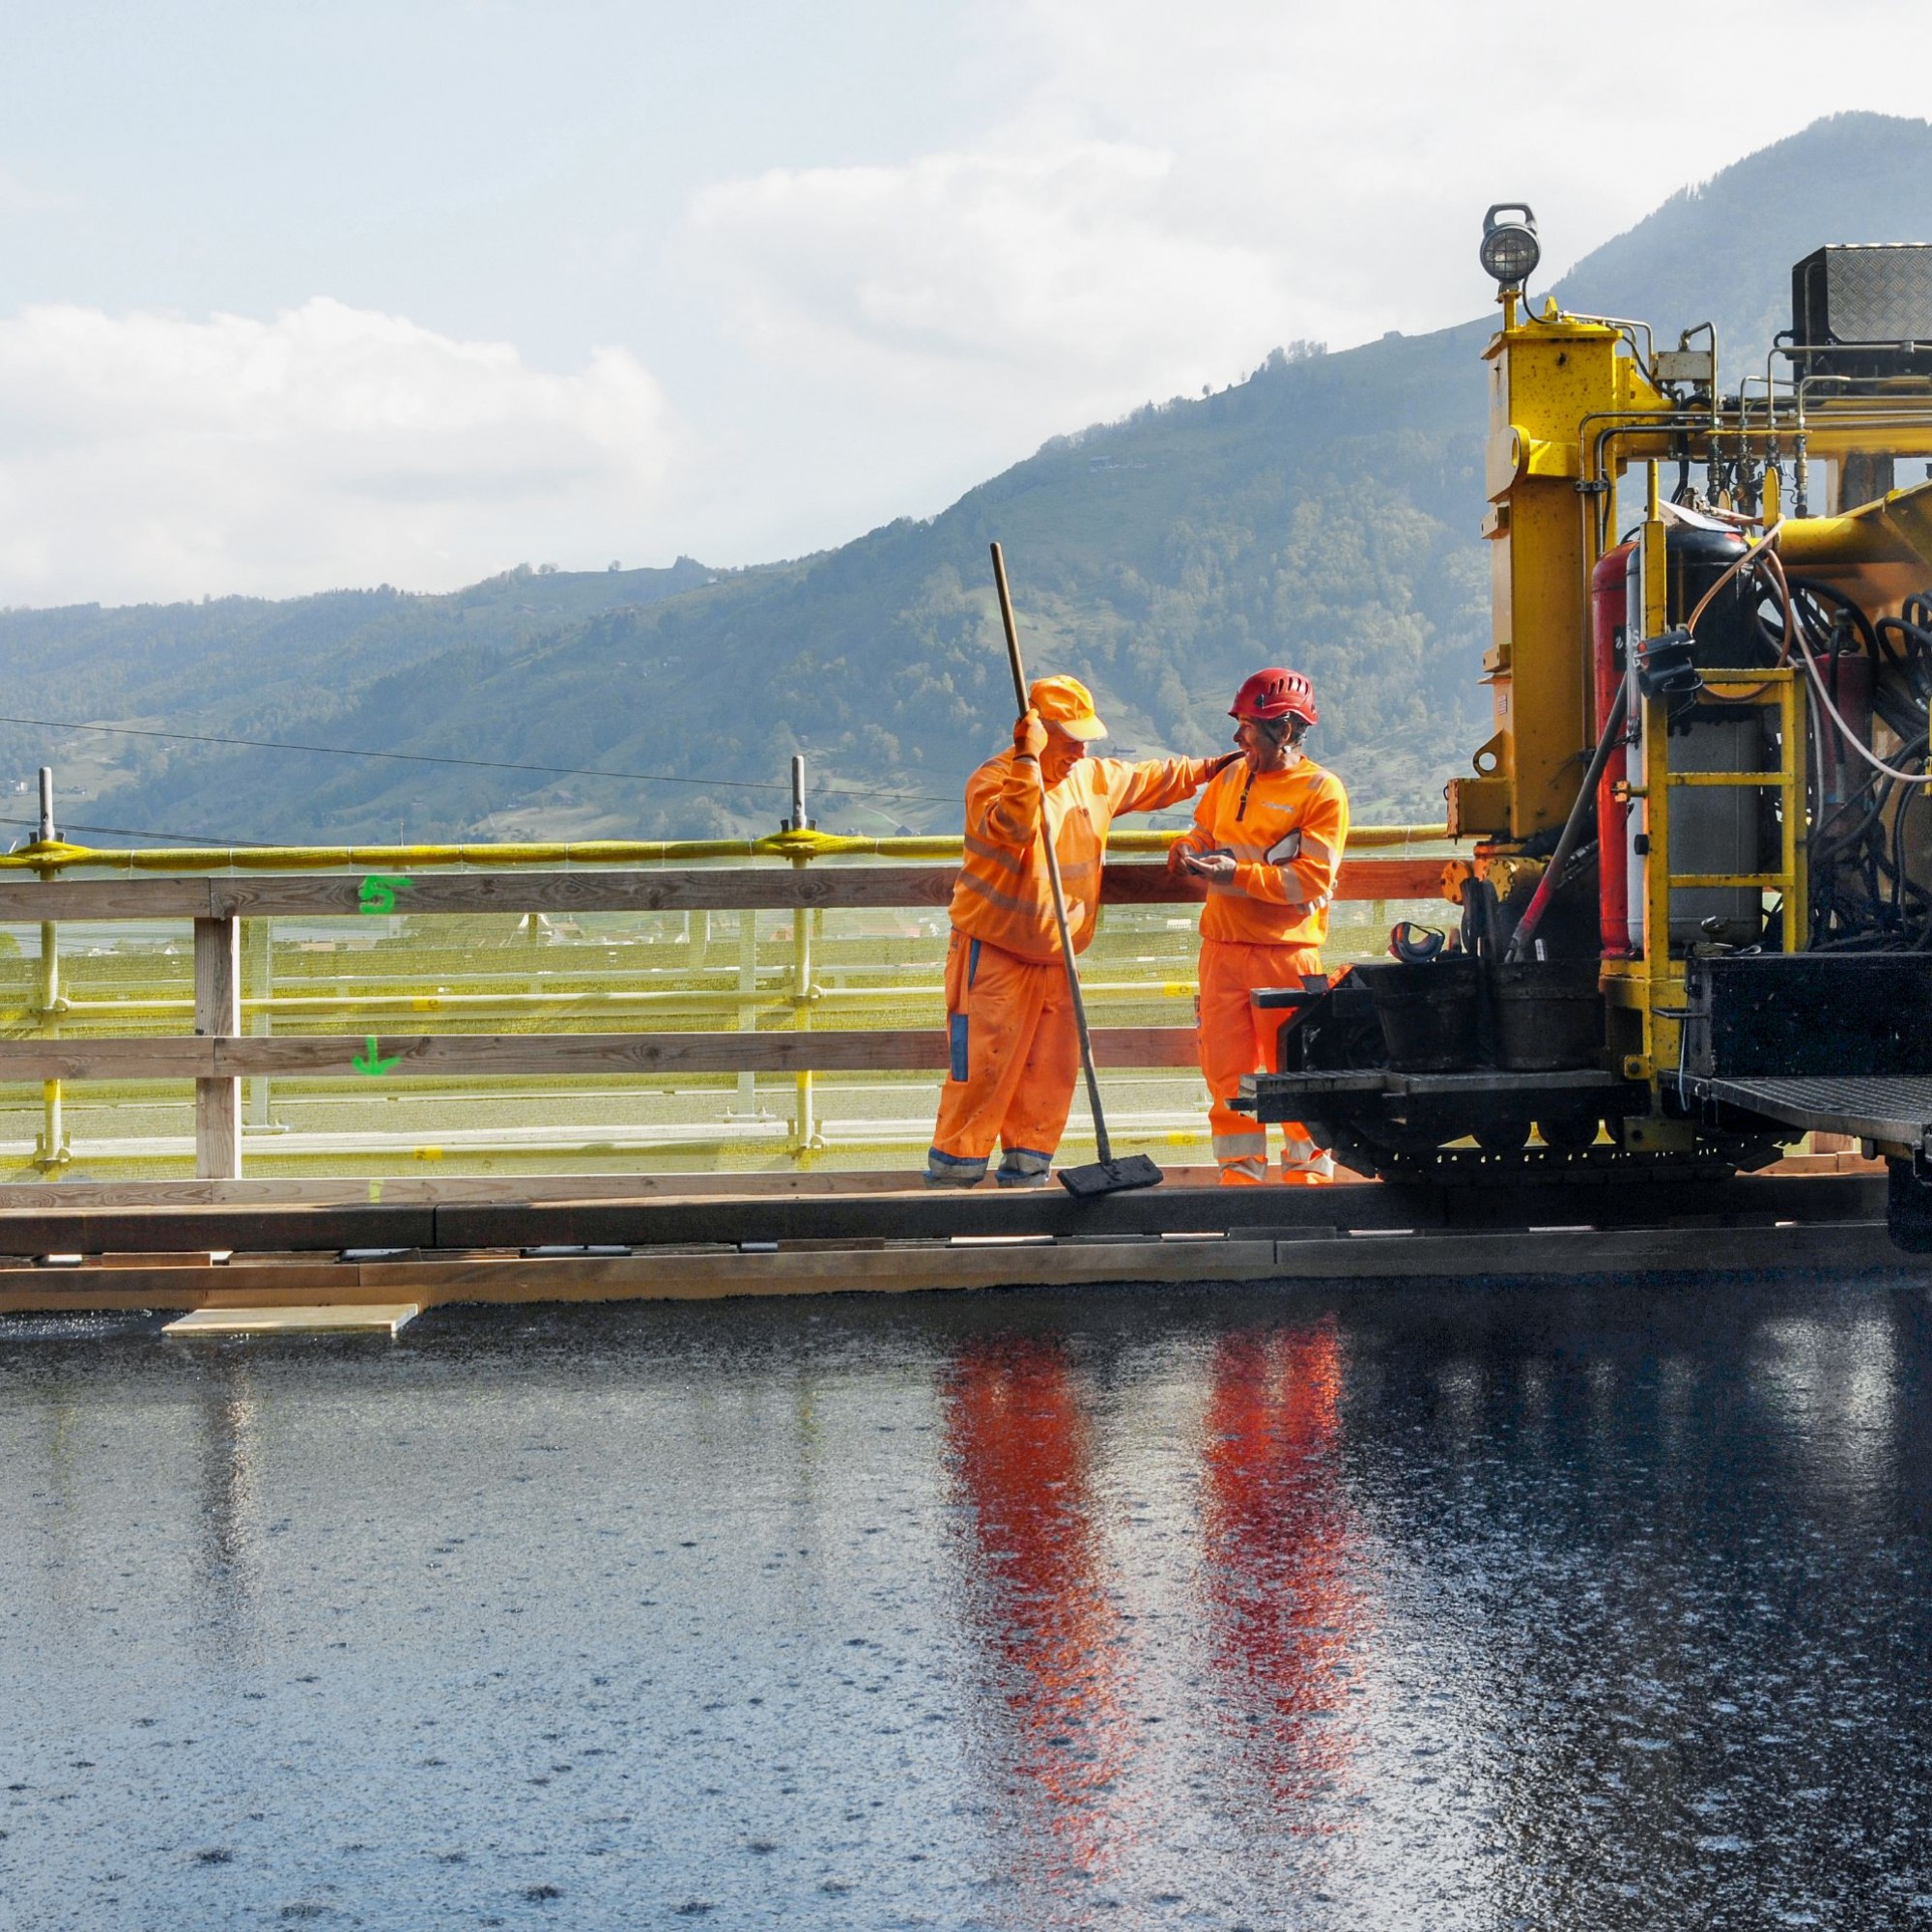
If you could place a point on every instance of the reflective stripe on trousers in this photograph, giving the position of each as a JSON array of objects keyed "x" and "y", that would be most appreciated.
[
  {"x": 1014, "y": 1020},
  {"x": 1237, "y": 1039},
  {"x": 1302, "y": 1161}
]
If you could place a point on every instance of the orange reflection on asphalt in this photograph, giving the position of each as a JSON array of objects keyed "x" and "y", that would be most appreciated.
[
  {"x": 1049, "y": 1634},
  {"x": 1285, "y": 1609}
]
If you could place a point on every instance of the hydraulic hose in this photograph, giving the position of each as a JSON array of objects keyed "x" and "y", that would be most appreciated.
[{"x": 1573, "y": 828}]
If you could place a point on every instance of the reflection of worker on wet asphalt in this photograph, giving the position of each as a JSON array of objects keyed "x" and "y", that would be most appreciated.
[
  {"x": 1015, "y": 1054},
  {"x": 1267, "y": 840}
]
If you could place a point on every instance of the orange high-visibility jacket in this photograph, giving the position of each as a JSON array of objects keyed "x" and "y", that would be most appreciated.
[
  {"x": 1285, "y": 830},
  {"x": 1003, "y": 896}
]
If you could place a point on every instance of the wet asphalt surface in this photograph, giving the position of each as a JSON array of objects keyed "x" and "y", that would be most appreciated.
[{"x": 1432, "y": 1606}]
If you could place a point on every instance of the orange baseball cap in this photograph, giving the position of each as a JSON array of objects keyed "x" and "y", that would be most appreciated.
[{"x": 1067, "y": 705}]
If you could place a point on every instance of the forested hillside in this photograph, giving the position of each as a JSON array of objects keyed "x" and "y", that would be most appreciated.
[{"x": 1323, "y": 512}]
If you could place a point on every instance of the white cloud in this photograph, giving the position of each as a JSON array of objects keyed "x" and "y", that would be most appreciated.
[
  {"x": 1038, "y": 266},
  {"x": 1159, "y": 198},
  {"x": 147, "y": 455},
  {"x": 1128, "y": 201}
]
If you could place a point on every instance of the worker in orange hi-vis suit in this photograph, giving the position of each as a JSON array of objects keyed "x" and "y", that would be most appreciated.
[
  {"x": 1014, "y": 1053},
  {"x": 1268, "y": 840}
]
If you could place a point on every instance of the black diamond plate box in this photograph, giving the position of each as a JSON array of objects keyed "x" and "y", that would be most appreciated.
[{"x": 1872, "y": 292}]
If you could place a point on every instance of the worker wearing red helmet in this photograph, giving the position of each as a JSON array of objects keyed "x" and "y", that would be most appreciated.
[{"x": 1267, "y": 840}]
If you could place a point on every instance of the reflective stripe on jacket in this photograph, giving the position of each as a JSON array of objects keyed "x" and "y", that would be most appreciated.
[
  {"x": 1003, "y": 896},
  {"x": 1285, "y": 830}
]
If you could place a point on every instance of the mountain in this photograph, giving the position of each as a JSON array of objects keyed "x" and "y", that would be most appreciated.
[
  {"x": 252, "y": 666},
  {"x": 1322, "y": 513},
  {"x": 1722, "y": 251}
]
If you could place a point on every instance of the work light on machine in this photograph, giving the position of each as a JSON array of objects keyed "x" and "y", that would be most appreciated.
[{"x": 1510, "y": 251}]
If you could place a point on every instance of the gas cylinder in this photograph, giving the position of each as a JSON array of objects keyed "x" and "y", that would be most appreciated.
[{"x": 1608, "y": 601}]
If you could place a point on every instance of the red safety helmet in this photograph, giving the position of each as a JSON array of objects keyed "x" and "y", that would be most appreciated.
[{"x": 1276, "y": 694}]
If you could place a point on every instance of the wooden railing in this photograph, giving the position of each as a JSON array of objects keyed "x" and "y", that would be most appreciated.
[{"x": 219, "y": 1054}]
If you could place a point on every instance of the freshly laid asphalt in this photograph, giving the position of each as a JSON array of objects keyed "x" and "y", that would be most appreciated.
[{"x": 1441, "y": 1605}]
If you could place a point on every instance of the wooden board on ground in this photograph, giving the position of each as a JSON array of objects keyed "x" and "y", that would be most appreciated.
[
  {"x": 703, "y": 1275},
  {"x": 414, "y": 1190},
  {"x": 337, "y": 1318},
  {"x": 662, "y": 1221}
]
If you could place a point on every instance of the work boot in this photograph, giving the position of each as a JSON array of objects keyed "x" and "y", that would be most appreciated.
[
  {"x": 1022, "y": 1167},
  {"x": 1303, "y": 1164},
  {"x": 951, "y": 1170}
]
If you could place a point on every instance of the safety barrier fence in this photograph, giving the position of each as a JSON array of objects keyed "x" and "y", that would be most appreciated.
[{"x": 392, "y": 884}]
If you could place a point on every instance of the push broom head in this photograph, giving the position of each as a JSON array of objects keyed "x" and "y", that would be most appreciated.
[{"x": 1110, "y": 1177}]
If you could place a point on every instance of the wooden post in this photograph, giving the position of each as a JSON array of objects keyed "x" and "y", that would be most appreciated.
[
  {"x": 262, "y": 984},
  {"x": 217, "y": 1013},
  {"x": 748, "y": 1018},
  {"x": 50, "y": 1153},
  {"x": 802, "y": 1124}
]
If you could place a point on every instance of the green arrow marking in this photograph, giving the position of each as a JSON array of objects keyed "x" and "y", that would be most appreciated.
[
  {"x": 379, "y": 891},
  {"x": 372, "y": 1062}
]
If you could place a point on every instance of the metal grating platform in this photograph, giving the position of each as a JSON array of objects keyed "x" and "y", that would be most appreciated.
[{"x": 1894, "y": 1110}]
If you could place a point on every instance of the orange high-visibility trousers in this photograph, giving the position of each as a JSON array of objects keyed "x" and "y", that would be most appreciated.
[
  {"x": 1238, "y": 1037},
  {"x": 1016, "y": 1056}
]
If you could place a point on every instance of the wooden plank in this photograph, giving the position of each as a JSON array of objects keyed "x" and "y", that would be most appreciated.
[
  {"x": 150, "y": 1258},
  {"x": 1391, "y": 879},
  {"x": 915, "y": 1265},
  {"x": 178, "y": 1057},
  {"x": 928, "y": 1214},
  {"x": 658, "y": 1055},
  {"x": 1361, "y": 879},
  {"x": 330, "y": 1318},
  {"x": 909, "y": 1211},
  {"x": 182, "y": 898},
  {"x": 172, "y": 1230},
  {"x": 217, "y": 1013},
  {"x": 216, "y": 1063},
  {"x": 33, "y": 1290},
  {"x": 665, "y": 889},
  {"x": 418, "y": 1190},
  {"x": 709, "y": 889}
]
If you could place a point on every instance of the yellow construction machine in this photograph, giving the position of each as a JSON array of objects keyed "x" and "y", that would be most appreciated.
[{"x": 1696, "y": 920}]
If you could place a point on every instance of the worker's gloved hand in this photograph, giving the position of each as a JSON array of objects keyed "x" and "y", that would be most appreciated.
[
  {"x": 1177, "y": 857},
  {"x": 1030, "y": 735}
]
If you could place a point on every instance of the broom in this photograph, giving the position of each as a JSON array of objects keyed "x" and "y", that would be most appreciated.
[{"x": 1106, "y": 1175}]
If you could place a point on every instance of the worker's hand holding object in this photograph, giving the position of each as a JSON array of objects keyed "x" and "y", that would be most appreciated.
[
  {"x": 1030, "y": 735},
  {"x": 1216, "y": 867}
]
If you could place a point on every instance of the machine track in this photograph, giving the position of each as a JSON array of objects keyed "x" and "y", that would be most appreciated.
[{"x": 1550, "y": 1167}]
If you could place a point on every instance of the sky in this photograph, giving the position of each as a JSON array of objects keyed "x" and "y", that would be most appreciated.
[{"x": 300, "y": 297}]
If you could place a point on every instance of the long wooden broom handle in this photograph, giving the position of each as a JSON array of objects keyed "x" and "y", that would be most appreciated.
[{"x": 1053, "y": 870}]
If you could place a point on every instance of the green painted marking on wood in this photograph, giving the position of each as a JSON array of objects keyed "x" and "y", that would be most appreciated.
[
  {"x": 372, "y": 1062},
  {"x": 379, "y": 891}
]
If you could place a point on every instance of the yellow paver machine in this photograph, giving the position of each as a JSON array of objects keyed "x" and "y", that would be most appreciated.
[{"x": 1696, "y": 923}]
